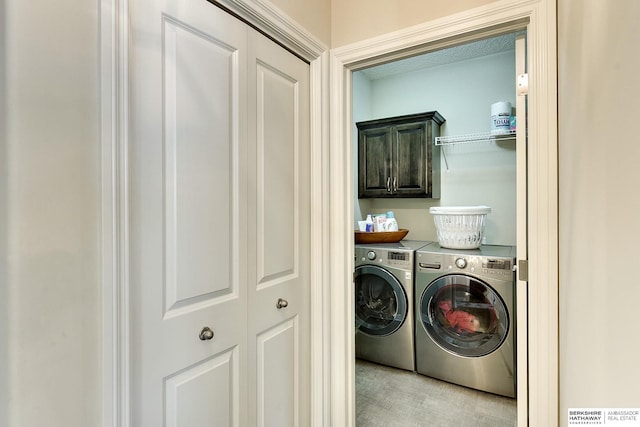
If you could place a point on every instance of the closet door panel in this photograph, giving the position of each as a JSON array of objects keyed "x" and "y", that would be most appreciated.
[
  {"x": 187, "y": 171},
  {"x": 279, "y": 275}
]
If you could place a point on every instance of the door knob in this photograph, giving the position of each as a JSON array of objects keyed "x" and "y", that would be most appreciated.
[
  {"x": 206, "y": 334},
  {"x": 282, "y": 303}
]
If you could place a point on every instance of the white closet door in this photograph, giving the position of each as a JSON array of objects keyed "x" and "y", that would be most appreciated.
[
  {"x": 219, "y": 225},
  {"x": 279, "y": 231},
  {"x": 188, "y": 215}
]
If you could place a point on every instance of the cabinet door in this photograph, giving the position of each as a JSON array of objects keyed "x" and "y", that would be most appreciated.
[
  {"x": 397, "y": 156},
  {"x": 411, "y": 160},
  {"x": 374, "y": 162}
]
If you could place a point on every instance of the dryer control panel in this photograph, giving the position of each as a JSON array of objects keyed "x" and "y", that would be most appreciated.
[{"x": 498, "y": 267}]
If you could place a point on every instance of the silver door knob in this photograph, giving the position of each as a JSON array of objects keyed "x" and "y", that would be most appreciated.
[
  {"x": 206, "y": 334},
  {"x": 282, "y": 303}
]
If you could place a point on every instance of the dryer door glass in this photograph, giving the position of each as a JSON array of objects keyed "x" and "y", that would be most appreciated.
[
  {"x": 381, "y": 303},
  {"x": 464, "y": 315}
]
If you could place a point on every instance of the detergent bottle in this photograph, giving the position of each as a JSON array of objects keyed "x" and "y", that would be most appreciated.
[
  {"x": 391, "y": 224},
  {"x": 369, "y": 223}
]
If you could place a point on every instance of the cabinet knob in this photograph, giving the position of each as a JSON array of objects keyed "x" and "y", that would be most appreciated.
[{"x": 281, "y": 303}]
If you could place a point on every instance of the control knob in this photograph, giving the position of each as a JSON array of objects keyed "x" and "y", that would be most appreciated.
[
  {"x": 371, "y": 255},
  {"x": 461, "y": 262}
]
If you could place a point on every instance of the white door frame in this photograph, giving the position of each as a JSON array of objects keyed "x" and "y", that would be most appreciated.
[
  {"x": 538, "y": 403},
  {"x": 332, "y": 345},
  {"x": 114, "y": 42}
]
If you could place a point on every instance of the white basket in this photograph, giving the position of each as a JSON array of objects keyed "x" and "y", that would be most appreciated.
[{"x": 460, "y": 227}]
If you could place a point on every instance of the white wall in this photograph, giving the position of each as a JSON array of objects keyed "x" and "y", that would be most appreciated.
[
  {"x": 312, "y": 15},
  {"x": 599, "y": 203},
  {"x": 50, "y": 326},
  {"x": 354, "y": 20},
  {"x": 4, "y": 307},
  {"x": 477, "y": 174}
]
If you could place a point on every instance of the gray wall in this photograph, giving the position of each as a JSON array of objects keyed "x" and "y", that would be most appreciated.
[{"x": 599, "y": 203}]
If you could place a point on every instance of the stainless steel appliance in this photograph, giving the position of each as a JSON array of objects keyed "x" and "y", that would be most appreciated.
[
  {"x": 384, "y": 320},
  {"x": 465, "y": 313}
]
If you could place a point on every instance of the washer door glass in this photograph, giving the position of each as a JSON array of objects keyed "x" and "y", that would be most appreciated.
[
  {"x": 464, "y": 315},
  {"x": 381, "y": 303}
]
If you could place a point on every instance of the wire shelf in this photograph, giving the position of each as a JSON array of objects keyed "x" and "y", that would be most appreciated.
[{"x": 474, "y": 137}]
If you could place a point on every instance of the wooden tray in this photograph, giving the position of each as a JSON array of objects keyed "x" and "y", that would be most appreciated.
[{"x": 380, "y": 236}]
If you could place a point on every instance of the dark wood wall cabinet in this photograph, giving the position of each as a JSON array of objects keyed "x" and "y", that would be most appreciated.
[{"x": 397, "y": 156}]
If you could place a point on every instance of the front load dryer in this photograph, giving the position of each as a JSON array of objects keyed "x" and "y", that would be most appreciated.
[
  {"x": 383, "y": 281},
  {"x": 464, "y": 302}
]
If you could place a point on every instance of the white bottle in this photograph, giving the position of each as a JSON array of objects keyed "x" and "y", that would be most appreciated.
[
  {"x": 391, "y": 224},
  {"x": 369, "y": 223}
]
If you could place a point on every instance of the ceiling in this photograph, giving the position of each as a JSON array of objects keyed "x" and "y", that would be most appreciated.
[{"x": 462, "y": 52}]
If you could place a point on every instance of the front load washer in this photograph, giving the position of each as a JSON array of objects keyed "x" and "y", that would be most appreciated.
[
  {"x": 384, "y": 320},
  {"x": 464, "y": 302}
]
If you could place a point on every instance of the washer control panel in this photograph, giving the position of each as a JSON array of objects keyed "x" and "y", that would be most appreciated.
[{"x": 384, "y": 257}]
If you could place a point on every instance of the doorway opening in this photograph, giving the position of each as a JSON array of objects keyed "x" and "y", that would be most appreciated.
[
  {"x": 537, "y": 204},
  {"x": 459, "y": 82}
]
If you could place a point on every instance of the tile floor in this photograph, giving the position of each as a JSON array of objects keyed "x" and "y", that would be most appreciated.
[{"x": 389, "y": 397}]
